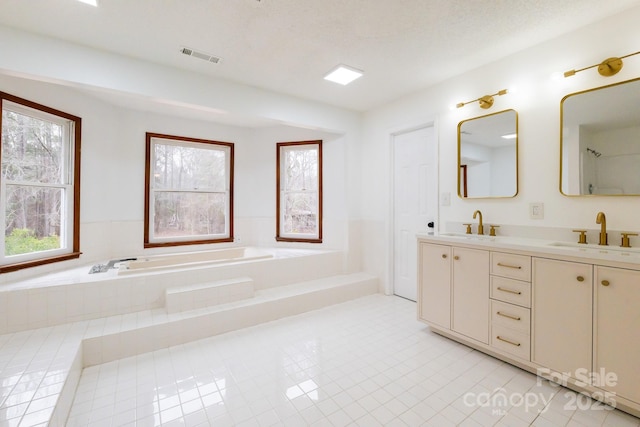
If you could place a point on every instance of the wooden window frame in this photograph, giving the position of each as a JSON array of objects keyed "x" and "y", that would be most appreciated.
[
  {"x": 73, "y": 247},
  {"x": 148, "y": 243},
  {"x": 280, "y": 237}
]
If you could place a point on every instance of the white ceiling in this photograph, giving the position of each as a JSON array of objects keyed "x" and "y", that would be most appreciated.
[{"x": 288, "y": 45}]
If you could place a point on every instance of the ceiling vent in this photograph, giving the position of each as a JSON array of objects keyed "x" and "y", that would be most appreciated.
[{"x": 200, "y": 55}]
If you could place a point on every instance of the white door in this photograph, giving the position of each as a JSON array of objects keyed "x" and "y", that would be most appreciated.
[{"x": 414, "y": 203}]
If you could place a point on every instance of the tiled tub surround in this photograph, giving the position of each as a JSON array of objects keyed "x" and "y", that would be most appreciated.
[
  {"x": 74, "y": 295},
  {"x": 40, "y": 367},
  {"x": 560, "y": 309}
]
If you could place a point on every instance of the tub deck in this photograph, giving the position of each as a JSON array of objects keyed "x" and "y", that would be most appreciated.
[
  {"x": 75, "y": 295},
  {"x": 192, "y": 259}
]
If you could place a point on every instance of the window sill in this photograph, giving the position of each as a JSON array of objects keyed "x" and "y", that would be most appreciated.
[
  {"x": 292, "y": 239},
  {"x": 38, "y": 262},
  {"x": 186, "y": 243}
]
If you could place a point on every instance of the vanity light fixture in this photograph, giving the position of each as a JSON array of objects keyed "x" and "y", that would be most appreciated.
[
  {"x": 484, "y": 101},
  {"x": 607, "y": 68},
  {"x": 343, "y": 75},
  {"x": 510, "y": 136}
]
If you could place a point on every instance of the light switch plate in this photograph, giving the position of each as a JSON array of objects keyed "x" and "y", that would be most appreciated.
[{"x": 536, "y": 210}]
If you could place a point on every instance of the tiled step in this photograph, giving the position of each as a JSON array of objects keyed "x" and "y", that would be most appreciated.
[
  {"x": 192, "y": 297},
  {"x": 40, "y": 368},
  {"x": 39, "y": 373},
  {"x": 166, "y": 330}
]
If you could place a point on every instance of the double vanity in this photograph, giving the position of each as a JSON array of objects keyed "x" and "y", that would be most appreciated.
[{"x": 568, "y": 312}]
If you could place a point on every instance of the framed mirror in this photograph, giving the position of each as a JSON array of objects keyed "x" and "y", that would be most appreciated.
[
  {"x": 488, "y": 156},
  {"x": 600, "y": 141}
]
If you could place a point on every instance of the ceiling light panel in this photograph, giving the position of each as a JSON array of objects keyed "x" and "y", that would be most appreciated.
[
  {"x": 91, "y": 2},
  {"x": 343, "y": 75}
]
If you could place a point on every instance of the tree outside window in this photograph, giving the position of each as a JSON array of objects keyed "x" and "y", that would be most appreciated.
[
  {"x": 189, "y": 184},
  {"x": 299, "y": 197}
]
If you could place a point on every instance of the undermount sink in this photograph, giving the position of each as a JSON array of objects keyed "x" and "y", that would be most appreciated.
[
  {"x": 613, "y": 250},
  {"x": 469, "y": 236}
]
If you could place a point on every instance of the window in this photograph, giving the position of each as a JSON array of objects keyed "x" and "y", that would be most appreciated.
[
  {"x": 189, "y": 191},
  {"x": 299, "y": 196},
  {"x": 39, "y": 184}
]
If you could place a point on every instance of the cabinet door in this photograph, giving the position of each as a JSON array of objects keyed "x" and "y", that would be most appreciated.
[
  {"x": 434, "y": 298},
  {"x": 561, "y": 315},
  {"x": 471, "y": 293},
  {"x": 617, "y": 331}
]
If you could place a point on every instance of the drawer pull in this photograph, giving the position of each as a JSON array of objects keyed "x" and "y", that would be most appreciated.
[
  {"x": 507, "y": 315},
  {"x": 509, "y": 291},
  {"x": 517, "y": 267},
  {"x": 605, "y": 283},
  {"x": 580, "y": 279},
  {"x": 517, "y": 344},
  {"x": 444, "y": 255},
  {"x": 456, "y": 257}
]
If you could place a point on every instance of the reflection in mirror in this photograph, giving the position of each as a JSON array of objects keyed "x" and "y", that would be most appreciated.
[
  {"x": 600, "y": 141},
  {"x": 488, "y": 156}
]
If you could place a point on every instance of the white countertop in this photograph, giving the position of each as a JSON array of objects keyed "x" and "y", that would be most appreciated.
[{"x": 610, "y": 255}]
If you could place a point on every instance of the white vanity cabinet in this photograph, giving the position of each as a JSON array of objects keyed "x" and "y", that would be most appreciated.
[
  {"x": 470, "y": 293},
  {"x": 571, "y": 315},
  {"x": 454, "y": 289},
  {"x": 434, "y": 284},
  {"x": 562, "y": 315},
  {"x": 617, "y": 331},
  {"x": 510, "y": 301}
]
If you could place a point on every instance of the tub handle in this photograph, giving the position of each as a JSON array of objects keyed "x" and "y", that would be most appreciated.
[{"x": 113, "y": 262}]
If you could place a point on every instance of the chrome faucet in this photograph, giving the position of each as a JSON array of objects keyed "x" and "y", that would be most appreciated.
[
  {"x": 602, "y": 220},
  {"x": 480, "y": 226}
]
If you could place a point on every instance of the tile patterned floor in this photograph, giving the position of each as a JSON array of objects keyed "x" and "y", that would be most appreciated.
[{"x": 367, "y": 362}]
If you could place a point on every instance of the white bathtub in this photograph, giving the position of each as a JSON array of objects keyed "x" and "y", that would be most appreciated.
[
  {"x": 192, "y": 259},
  {"x": 74, "y": 294}
]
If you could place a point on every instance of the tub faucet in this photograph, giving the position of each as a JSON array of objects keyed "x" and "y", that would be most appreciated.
[
  {"x": 101, "y": 268},
  {"x": 480, "y": 226},
  {"x": 602, "y": 220}
]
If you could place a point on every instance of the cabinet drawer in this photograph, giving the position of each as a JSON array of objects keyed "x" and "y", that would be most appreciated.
[
  {"x": 512, "y": 291},
  {"x": 512, "y": 316},
  {"x": 511, "y": 266},
  {"x": 511, "y": 341}
]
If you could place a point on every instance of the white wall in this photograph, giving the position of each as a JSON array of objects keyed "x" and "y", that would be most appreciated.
[
  {"x": 537, "y": 102},
  {"x": 112, "y": 172}
]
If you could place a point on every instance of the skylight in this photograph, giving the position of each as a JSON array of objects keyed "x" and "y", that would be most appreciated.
[{"x": 343, "y": 75}]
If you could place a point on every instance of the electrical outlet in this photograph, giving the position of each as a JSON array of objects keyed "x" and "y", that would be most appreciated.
[{"x": 536, "y": 210}]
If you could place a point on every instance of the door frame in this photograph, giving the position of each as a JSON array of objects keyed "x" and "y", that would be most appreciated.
[{"x": 393, "y": 132}]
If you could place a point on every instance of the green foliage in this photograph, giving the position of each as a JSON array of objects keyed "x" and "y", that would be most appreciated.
[{"x": 24, "y": 240}]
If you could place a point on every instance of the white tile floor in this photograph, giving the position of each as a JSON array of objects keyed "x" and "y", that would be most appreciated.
[{"x": 367, "y": 362}]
